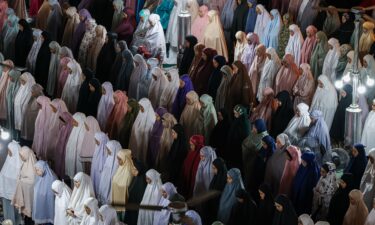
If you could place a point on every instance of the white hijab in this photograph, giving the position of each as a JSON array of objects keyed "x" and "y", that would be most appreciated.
[
  {"x": 368, "y": 181},
  {"x": 79, "y": 196},
  {"x": 158, "y": 84},
  {"x": 325, "y": 100},
  {"x": 62, "y": 196},
  {"x": 369, "y": 130},
  {"x": 109, "y": 215},
  {"x": 109, "y": 169},
  {"x": 162, "y": 217},
  {"x": 172, "y": 30},
  {"x": 93, "y": 217},
  {"x": 22, "y": 99},
  {"x": 331, "y": 59},
  {"x": 371, "y": 218},
  {"x": 155, "y": 36},
  {"x": 263, "y": 18},
  {"x": 270, "y": 69},
  {"x": 10, "y": 171},
  {"x": 70, "y": 91},
  {"x": 349, "y": 65},
  {"x": 299, "y": 124},
  {"x": 295, "y": 44},
  {"x": 73, "y": 146},
  {"x": 141, "y": 130},
  {"x": 169, "y": 93},
  {"x": 151, "y": 196},
  {"x": 106, "y": 104}
]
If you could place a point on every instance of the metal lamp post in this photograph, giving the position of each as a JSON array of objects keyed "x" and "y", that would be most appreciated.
[{"x": 184, "y": 29}]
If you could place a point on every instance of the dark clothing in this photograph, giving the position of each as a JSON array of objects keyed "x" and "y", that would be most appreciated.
[
  {"x": 23, "y": 43},
  {"x": 42, "y": 61}
]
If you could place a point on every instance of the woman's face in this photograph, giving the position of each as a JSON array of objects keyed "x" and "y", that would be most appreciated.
[
  {"x": 77, "y": 184},
  {"x": 320, "y": 84},
  {"x": 261, "y": 195},
  {"x": 135, "y": 171},
  {"x": 101, "y": 217},
  {"x": 164, "y": 194},
  {"x": 236, "y": 114},
  {"x": 201, "y": 12},
  {"x": 97, "y": 142},
  {"x": 87, "y": 210},
  {"x": 109, "y": 152},
  {"x": 192, "y": 146},
  {"x": 103, "y": 91},
  {"x": 202, "y": 157},
  {"x": 279, "y": 145},
  {"x": 52, "y": 50},
  {"x": 120, "y": 162},
  {"x": 23, "y": 82},
  {"x": 148, "y": 180},
  {"x": 182, "y": 83},
  {"x": 365, "y": 63},
  {"x": 373, "y": 107},
  {"x": 39, "y": 171},
  {"x": 235, "y": 69},
  {"x": 343, "y": 93},
  {"x": 157, "y": 117},
  {"x": 250, "y": 4},
  {"x": 20, "y": 27},
  {"x": 349, "y": 60},
  {"x": 352, "y": 200},
  {"x": 214, "y": 169},
  {"x": 174, "y": 135},
  {"x": 304, "y": 163},
  {"x": 355, "y": 152},
  {"x": 215, "y": 63},
  {"x": 204, "y": 56},
  {"x": 330, "y": 46},
  {"x": 92, "y": 88},
  {"x": 298, "y": 112},
  {"x": 291, "y": 33},
  {"x": 264, "y": 145},
  {"x": 229, "y": 179},
  {"x": 279, "y": 207},
  {"x": 10, "y": 154},
  {"x": 141, "y": 108},
  {"x": 323, "y": 173}
]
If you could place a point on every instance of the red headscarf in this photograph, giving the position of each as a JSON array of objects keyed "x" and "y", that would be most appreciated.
[
  {"x": 117, "y": 114},
  {"x": 190, "y": 166},
  {"x": 290, "y": 169}
]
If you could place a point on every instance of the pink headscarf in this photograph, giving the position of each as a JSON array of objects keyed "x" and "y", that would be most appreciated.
[
  {"x": 41, "y": 127},
  {"x": 200, "y": 23},
  {"x": 3, "y": 13},
  {"x": 117, "y": 114},
  {"x": 290, "y": 169},
  {"x": 88, "y": 144},
  {"x": 287, "y": 75},
  {"x": 63, "y": 76},
  {"x": 308, "y": 45},
  {"x": 58, "y": 107}
]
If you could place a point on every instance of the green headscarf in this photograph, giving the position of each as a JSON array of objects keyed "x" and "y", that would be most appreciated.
[
  {"x": 13, "y": 87},
  {"x": 284, "y": 35},
  {"x": 127, "y": 123},
  {"x": 207, "y": 115},
  {"x": 319, "y": 54}
]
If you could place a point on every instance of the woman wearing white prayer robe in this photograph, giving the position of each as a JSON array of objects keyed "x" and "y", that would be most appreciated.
[
  {"x": 22, "y": 98},
  {"x": 169, "y": 93},
  {"x": 62, "y": 197},
  {"x": 270, "y": 69},
  {"x": 168, "y": 191},
  {"x": 107, "y": 215},
  {"x": 368, "y": 181},
  {"x": 368, "y": 69},
  {"x": 295, "y": 43},
  {"x": 172, "y": 31},
  {"x": 263, "y": 18},
  {"x": 368, "y": 138},
  {"x": 70, "y": 91},
  {"x": 73, "y": 146},
  {"x": 91, "y": 216},
  {"x": 158, "y": 83},
  {"x": 8, "y": 181},
  {"x": 325, "y": 99},
  {"x": 331, "y": 59},
  {"x": 141, "y": 130},
  {"x": 151, "y": 196},
  {"x": 83, "y": 190},
  {"x": 155, "y": 37},
  {"x": 300, "y": 123},
  {"x": 241, "y": 43}
]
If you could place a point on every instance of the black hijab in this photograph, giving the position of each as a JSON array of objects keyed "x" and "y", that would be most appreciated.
[
  {"x": 188, "y": 55},
  {"x": 177, "y": 154},
  {"x": 84, "y": 91},
  {"x": 220, "y": 133},
  {"x": 93, "y": 98},
  {"x": 136, "y": 190},
  {"x": 106, "y": 57},
  {"x": 239, "y": 18},
  {"x": 357, "y": 165},
  {"x": 115, "y": 69},
  {"x": 344, "y": 33},
  {"x": 283, "y": 114},
  {"x": 340, "y": 201},
  {"x": 338, "y": 127},
  {"x": 266, "y": 206},
  {"x": 288, "y": 215},
  {"x": 42, "y": 61},
  {"x": 219, "y": 180},
  {"x": 123, "y": 77},
  {"x": 216, "y": 76},
  {"x": 23, "y": 44},
  {"x": 243, "y": 212}
]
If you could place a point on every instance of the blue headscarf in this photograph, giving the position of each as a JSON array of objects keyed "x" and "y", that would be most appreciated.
[
  {"x": 180, "y": 100},
  {"x": 357, "y": 165},
  {"x": 228, "y": 197},
  {"x": 44, "y": 199},
  {"x": 260, "y": 125},
  {"x": 271, "y": 147},
  {"x": 251, "y": 17},
  {"x": 304, "y": 182},
  {"x": 271, "y": 39},
  {"x": 319, "y": 130},
  {"x": 227, "y": 14}
]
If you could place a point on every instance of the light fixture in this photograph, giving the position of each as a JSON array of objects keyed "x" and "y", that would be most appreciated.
[
  {"x": 361, "y": 89},
  {"x": 339, "y": 84},
  {"x": 346, "y": 78},
  {"x": 5, "y": 135}
]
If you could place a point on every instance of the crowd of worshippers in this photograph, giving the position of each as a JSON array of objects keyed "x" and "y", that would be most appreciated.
[{"x": 250, "y": 112}]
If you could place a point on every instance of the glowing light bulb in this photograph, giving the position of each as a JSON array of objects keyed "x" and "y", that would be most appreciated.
[
  {"x": 346, "y": 78},
  {"x": 339, "y": 84},
  {"x": 361, "y": 89}
]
